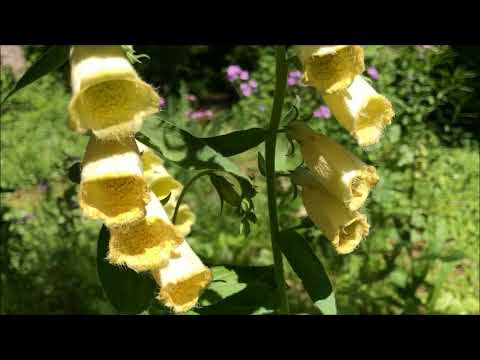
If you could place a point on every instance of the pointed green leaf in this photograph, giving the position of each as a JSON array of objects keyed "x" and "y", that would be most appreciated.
[
  {"x": 236, "y": 142},
  {"x": 226, "y": 190},
  {"x": 309, "y": 269},
  {"x": 262, "y": 167},
  {"x": 129, "y": 292},
  {"x": 52, "y": 59},
  {"x": 239, "y": 290}
]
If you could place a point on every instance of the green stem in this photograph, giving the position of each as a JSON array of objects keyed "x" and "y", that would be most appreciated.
[
  {"x": 184, "y": 191},
  {"x": 270, "y": 144}
]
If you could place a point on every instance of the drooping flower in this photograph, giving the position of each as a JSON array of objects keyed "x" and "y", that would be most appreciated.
[
  {"x": 323, "y": 112},
  {"x": 373, "y": 73},
  {"x": 253, "y": 84},
  {"x": 156, "y": 176},
  {"x": 344, "y": 228},
  {"x": 147, "y": 244},
  {"x": 345, "y": 176},
  {"x": 112, "y": 186},
  {"x": 109, "y": 97},
  {"x": 361, "y": 110},
  {"x": 331, "y": 68},
  {"x": 162, "y": 184},
  {"x": 182, "y": 280}
]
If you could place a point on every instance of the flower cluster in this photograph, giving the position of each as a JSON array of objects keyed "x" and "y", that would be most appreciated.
[
  {"x": 294, "y": 77},
  {"x": 335, "y": 71},
  {"x": 122, "y": 181},
  {"x": 335, "y": 183},
  {"x": 235, "y": 74}
]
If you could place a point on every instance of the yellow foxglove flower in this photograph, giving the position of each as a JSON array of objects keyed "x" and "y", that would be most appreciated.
[
  {"x": 162, "y": 183},
  {"x": 344, "y": 228},
  {"x": 108, "y": 95},
  {"x": 330, "y": 68},
  {"x": 361, "y": 110},
  {"x": 185, "y": 216},
  {"x": 156, "y": 176},
  {"x": 147, "y": 244},
  {"x": 182, "y": 280},
  {"x": 112, "y": 187},
  {"x": 344, "y": 175}
]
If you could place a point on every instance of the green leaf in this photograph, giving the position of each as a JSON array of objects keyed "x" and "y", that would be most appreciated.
[
  {"x": 74, "y": 172},
  {"x": 262, "y": 166},
  {"x": 236, "y": 142},
  {"x": 239, "y": 290},
  {"x": 52, "y": 59},
  {"x": 129, "y": 292},
  {"x": 309, "y": 269},
  {"x": 226, "y": 190},
  {"x": 177, "y": 145}
]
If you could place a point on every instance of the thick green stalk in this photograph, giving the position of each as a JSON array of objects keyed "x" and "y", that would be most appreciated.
[{"x": 270, "y": 144}]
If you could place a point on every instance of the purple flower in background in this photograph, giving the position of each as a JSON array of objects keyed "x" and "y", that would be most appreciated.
[
  {"x": 232, "y": 72},
  {"x": 162, "y": 103},
  {"x": 191, "y": 98},
  {"x": 246, "y": 89},
  {"x": 373, "y": 73},
  {"x": 253, "y": 84},
  {"x": 200, "y": 115},
  {"x": 244, "y": 75},
  {"x": 323, "y": 112},
  {"x": 294, "y": 77}
]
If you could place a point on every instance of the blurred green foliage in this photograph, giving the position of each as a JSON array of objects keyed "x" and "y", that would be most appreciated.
[{"x": 422, "y": 255}]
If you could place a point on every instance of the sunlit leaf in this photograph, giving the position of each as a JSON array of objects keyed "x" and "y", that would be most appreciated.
[
  {"x": 129, "y": 292},
  {"x": 309, "y": 269},
  {"x": 54, "y": 57}
]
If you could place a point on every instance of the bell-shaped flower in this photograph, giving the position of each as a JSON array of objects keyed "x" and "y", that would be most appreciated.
[
  {"x": 361, "y": 110},
  {"x": 330, "y": 68},
  {"x": 344, "y": 228},
  {"x": 182, "y": 280},
  {"x": 157, "y": 177},
  {"x": 109, "y": 97},
  {"x": 112, "y": 187},
  {"x": 147, "y": 244},
  {"x": 342, "y": 174},
  {"x": 185, "y": 216}
]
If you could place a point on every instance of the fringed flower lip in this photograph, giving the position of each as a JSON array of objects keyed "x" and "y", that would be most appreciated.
[
  {"x": 109, "y": 97},
  {"x": 361, "y": 110},
  {"x": 344, "y": 228},
  {"x": 330, "y": 68},
  {"x": 342, "y": 174},
  {"x": 112, "y": 187},
  {"x": 182, "y": 280},
  {"x": 147, "y": 244}
]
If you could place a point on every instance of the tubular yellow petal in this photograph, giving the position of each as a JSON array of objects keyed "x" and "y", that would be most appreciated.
[
  {"x": 112, "y": 187},
  {"x": 344, "y": 175},
  {"x": 108, "y": 96},
  {"x": 361, "y": 110},
  {"x": 331, "y": 68},
  {"x": 157, "y": 177},
  {"x": 185, "y": 217},
  {"x": 182, "y": 280},
  {"x": 344, "y": 228},
  {"x": 147, "y": 244}
]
